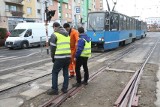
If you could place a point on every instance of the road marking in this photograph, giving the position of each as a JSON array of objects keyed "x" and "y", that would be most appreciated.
[
  {"x": 6, "y": 85},
  {"x": 119, "y": 70},
  {"x": 24, "y": 79},
  {"x": 32, "y": 92},
  {"x": 18, "y": 57},
  {"x": 20, "y": 66},
  {"x": 2, "y": 56},
  {"x": 101, "y": 60},
  {"x": 7, "y": 76},
  {"x": 32, "y": 54},
  {"x": 5, "y": 57}
]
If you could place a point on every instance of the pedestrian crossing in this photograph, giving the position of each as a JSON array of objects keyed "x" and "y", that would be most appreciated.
[
  {"x": 5, "y": 58},
  {"x": 34, "y": 88}
]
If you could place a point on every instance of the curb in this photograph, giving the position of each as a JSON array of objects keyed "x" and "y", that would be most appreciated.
[{"x": 2, "y": 47}]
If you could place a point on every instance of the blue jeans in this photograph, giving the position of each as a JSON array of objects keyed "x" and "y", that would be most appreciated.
[{"x": 58, "y": 65}]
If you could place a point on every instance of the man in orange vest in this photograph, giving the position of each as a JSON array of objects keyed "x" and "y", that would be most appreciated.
[{"x": 74, "y": 35}]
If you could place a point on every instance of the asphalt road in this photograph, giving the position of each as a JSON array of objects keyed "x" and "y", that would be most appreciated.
[{"x": 12, "y": 59}]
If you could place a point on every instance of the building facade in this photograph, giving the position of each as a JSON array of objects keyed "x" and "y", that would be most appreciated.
[
  {"x": 75, "y": 12},
  {"x": 153, "y": 24},
  {"x": 153, "y": 20}
]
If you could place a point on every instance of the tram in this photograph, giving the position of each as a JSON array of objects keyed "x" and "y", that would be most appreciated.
[{"x": 109, "y": 30}]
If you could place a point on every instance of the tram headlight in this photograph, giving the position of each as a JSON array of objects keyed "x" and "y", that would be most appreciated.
[{"x": 101, "y": 39}]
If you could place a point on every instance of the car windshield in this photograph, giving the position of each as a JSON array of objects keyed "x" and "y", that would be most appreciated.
[
  {"x": 17, "y": 32},
  {"x": 96, "y": 21}
]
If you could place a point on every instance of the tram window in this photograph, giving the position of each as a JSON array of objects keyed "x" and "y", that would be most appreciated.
[
  {"x": 96, "y": 21},
  {"x": 130, "y": 24},
  {"x": 124, "y": 22},
  {"x": 107, "y": 24},
  {"x": 121, "y": 27},
  {"x": 127, "y": 23},
  {"x": 114, "y": 22}
]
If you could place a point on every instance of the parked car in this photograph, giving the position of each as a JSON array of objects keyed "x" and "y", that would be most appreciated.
[{"x": 27, "y": 35}]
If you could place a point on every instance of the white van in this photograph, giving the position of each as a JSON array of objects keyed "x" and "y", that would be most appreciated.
[{"x": 28, "y": 34}]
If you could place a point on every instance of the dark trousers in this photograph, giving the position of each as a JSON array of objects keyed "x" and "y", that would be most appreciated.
[
  {"x": 58, "y": 65},
  {"x": 79, "y": 62}
]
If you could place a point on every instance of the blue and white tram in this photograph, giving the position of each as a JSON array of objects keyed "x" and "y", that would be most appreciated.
[
  {"x": 141, "y": 29},
  {"x": 109, "y": 30}
]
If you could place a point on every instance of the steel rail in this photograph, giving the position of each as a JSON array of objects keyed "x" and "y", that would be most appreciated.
[
  {"x": 140, "y": 75},
  {"x": 130, "y": 90}
]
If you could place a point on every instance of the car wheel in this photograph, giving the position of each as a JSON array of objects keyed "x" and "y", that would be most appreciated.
[
  {"x": 11, "y": 48},
  {"x": 24, "y": 45}
]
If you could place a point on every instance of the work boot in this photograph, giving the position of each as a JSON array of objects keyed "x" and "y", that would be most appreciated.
[
  {"x": 64, "y": 90},
  {"x": 84, "y": 83},
  {"x": 52, "y": 92},
  {"x": 76, "y": 85},
  {"x": 71, "y": 76}
]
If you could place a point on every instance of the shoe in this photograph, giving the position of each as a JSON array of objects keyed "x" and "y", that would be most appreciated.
[
  {"x": 64, "y": 90},
  {"x": 52, "y": 92},
  {"x": 84, "y": 83},
  {"x": 71, "y": 76},
  {"x": 76, "y": 85}
]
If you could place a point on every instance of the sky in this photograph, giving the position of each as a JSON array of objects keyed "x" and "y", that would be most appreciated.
[{"x": 142, "y": 8}]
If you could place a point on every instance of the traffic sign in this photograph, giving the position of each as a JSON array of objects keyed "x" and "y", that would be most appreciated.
[{"x": 77, "y": 10}]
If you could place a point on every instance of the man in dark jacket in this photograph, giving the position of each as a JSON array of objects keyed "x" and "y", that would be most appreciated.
[
  {"x": 82, "y": 54},
  {"x": 61, "y": 54}
]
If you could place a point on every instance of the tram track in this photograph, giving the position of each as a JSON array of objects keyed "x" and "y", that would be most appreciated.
[
  {"x": 110, "y": 55},
  {"x": 129, "y": 97},
  {"x": 28, "y": 66}
]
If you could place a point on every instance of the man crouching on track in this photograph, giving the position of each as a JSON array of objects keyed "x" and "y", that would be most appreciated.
[
  {"x": 82, "y": 54},
  {"x": 61, "y": 54}
]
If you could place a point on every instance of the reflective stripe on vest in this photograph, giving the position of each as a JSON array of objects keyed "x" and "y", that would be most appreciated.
[
  {"x": 63, "y": 46},
  {"x": 87, "y": 49}
]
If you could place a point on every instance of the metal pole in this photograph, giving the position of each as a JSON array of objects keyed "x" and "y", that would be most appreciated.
[
  {"x": 61, "y": 10},
  {"x": 46, "y": 24},
  {"x": 75, "y": 21}
]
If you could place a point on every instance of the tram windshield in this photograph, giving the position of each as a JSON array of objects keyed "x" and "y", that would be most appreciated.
[{"x": 96, "y": 21}]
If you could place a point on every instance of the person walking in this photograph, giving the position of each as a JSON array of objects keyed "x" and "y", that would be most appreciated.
[
  {"x": 74, "y": 35},
  {"x": 60, "y": 53},
  {"x": 82, "y": 54}
]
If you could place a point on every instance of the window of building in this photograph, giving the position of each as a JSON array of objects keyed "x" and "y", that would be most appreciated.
[
  {"x": 29, "y": 10},
  {"x": 66, "y": 6},
  {"x": 13, "y": 8},
  {"x": 39, "y": 11},
  {"x": 7, "y": 8},
  {"x": 66, "y": 15},
  {"x": 69, "y": 6}
]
